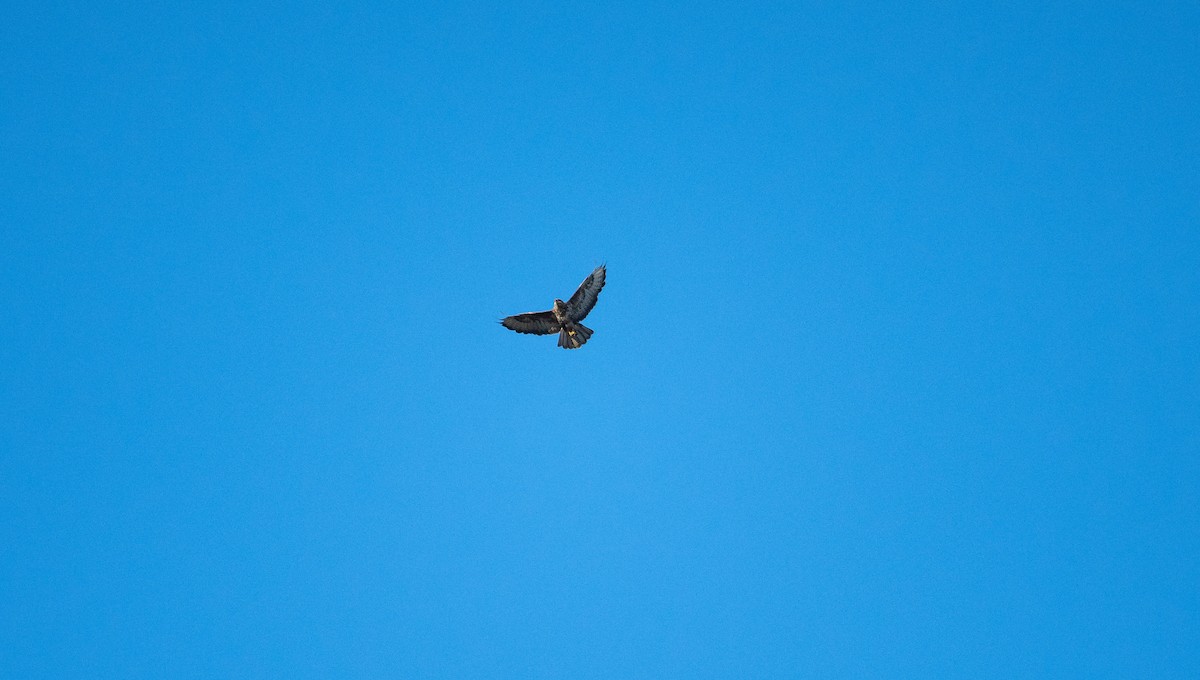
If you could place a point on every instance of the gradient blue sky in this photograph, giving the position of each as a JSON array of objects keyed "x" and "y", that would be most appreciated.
[{"x": 897, "y": 372}]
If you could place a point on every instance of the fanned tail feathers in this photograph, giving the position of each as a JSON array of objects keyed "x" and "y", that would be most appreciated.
[{"x": 574, "y": 337}]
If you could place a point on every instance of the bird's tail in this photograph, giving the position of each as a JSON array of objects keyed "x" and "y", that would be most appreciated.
[{"x": 574, "y": 337}]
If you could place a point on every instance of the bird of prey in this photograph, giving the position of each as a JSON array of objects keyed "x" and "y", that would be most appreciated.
[{"x": 564, "y": 318}]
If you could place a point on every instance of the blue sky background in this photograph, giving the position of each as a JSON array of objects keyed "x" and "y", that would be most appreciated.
[{"x": 897, "y": 372}]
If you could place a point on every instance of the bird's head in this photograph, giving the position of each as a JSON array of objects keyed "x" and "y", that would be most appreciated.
[{"x": 559, "y": 305}]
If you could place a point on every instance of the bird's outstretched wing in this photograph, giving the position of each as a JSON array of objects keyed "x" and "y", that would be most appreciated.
[
  {"x": 537, "y": 323},
  {"x": 585, "y": 298}
]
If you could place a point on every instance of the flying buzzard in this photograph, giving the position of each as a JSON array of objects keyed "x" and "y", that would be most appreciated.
[{"x": 565, "y": 317}]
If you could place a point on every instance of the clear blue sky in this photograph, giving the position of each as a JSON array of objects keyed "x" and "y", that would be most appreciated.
[{"x": 897, "y": 372}]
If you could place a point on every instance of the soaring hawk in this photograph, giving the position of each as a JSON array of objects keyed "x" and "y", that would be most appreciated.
[{"x": 565, "y": 317}]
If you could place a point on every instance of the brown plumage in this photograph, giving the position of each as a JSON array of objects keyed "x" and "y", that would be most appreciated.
[{"x": 564, "y": 317}]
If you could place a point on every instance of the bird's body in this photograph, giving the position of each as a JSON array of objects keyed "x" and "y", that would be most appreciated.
[
  {"x": 560, "y": 311},
  {"x": 564, "y": 317}
]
